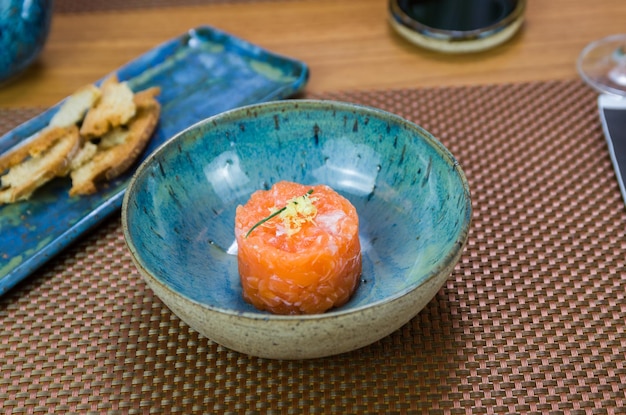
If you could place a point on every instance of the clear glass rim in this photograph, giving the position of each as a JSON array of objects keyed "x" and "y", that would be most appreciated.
[{"x": 613, "y": 80}]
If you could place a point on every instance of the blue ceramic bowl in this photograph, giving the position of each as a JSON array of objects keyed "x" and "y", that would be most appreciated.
[
  {"x": 411, "y": 195},
  {"x": 24, "y": 27}
]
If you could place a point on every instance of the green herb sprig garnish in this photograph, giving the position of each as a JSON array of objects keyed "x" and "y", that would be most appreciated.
[{"x": 292, "y": 202}]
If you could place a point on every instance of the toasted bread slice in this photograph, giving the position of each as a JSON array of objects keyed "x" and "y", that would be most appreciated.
[
  {"x": 33, "y": 147},
  {"x": 70, "y": 113},
  {"x": 74, "y": 108},
  {"x": 24, "y": 178},
  {"x": 86, "y": 153},
  {"x": 115, "y": 107},
  {"x": 146, "y": 97},
  {"x": 120, "y": 147}
]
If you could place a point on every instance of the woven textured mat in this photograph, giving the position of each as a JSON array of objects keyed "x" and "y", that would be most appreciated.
[{"x": 531, "y": 320}]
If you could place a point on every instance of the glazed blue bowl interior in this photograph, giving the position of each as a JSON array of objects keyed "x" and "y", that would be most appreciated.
[{"x": 412, "y": 198}]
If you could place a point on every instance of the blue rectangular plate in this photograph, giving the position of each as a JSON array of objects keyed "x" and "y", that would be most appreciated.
[{"x": 201, "y": 73}]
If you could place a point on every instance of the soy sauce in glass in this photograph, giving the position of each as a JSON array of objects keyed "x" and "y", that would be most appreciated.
[
  {"x": 457, "y": 25},
  {"x": 458, "y": 15}
]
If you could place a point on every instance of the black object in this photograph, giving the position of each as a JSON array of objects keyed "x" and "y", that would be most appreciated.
[
  {"x": 613, "y": 116},
  {"x": 457, "y": 25},
  {"x": 458, "y": 15}
]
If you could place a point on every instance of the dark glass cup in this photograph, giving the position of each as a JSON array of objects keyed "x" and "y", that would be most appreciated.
[{"x": 457, "y": 26}]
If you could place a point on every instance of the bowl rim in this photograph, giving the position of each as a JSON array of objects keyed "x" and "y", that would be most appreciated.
[{"x": 446, "y": 265}]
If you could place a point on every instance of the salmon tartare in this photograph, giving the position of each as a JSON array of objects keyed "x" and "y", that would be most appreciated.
[{"x": 298, "y": 249}]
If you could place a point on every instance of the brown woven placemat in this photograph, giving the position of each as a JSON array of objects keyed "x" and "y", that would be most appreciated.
[{"x": 531, "y": 320}]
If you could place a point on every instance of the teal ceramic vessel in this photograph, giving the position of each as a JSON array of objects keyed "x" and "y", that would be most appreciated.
[
  {"x": 24, "y": 28},
  {"x": 202, "y": 72},
  {"x": 410, "y": 193}
]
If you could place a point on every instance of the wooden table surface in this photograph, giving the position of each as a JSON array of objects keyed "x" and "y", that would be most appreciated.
[{"x": 348, "y": 45}]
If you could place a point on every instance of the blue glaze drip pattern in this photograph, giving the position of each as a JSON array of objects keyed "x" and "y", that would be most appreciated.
[{"x": 412, "y": 197}]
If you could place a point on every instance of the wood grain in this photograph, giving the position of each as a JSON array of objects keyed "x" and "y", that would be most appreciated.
[{"x": 348, "y": 45}]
